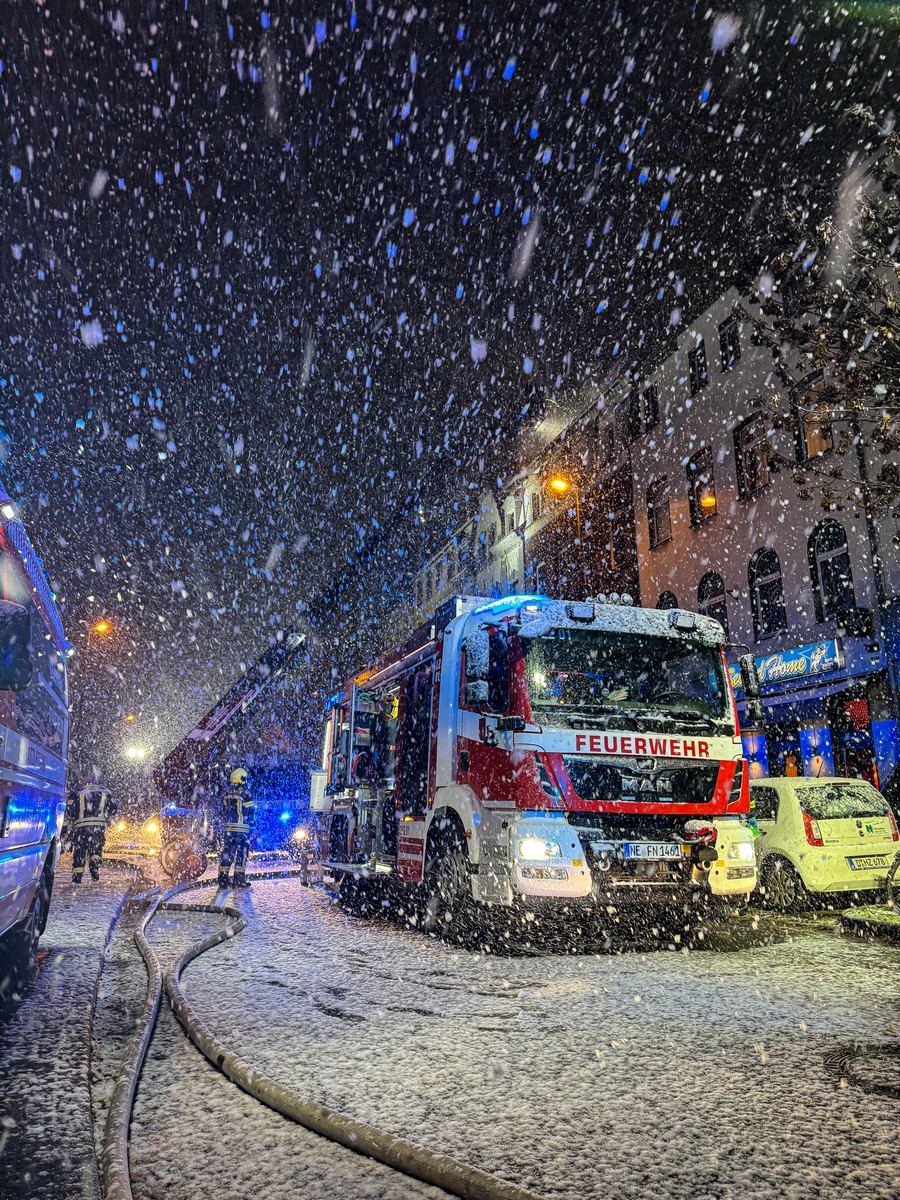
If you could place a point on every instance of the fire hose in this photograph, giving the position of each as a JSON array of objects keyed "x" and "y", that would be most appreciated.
[{"x": 439, "y": 1170}]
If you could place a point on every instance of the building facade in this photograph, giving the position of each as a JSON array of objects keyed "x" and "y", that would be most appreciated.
[
  {"x": 723, "y": 527},
  {"x": 680, "y": 487}
]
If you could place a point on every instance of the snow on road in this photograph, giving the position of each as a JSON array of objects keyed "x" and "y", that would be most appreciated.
[
  {"x": 695, "y": 1075},
  {"x": 194, "y": 1134},
  {"x": 46, "y": 1150}
]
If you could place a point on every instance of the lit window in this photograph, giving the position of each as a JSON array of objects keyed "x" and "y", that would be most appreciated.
[
  {"x": 701, "y": 486},
  {"x": 818, "y": 437}
]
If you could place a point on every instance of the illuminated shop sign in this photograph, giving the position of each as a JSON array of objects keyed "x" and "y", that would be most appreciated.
[{"x": 815, "y": 659}]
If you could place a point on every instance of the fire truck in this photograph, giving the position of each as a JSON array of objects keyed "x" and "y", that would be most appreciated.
[{"x": 540, "y": 753}]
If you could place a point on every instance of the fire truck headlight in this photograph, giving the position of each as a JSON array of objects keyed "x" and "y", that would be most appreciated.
[
  {"x": 538, "y": 848},
  {"x": 300, "y": 834},
  {"x": 741, "y": 850}
]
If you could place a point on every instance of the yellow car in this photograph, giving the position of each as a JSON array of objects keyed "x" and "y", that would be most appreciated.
[
  {"x": 821, "y": 835},
  {"x": 133, "y": 838}
]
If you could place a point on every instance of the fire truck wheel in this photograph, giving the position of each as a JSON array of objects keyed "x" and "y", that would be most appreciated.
[{"x": 448, "y": 897}]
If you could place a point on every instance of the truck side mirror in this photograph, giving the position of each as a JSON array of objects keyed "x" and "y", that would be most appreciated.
[
  {"x": 749, "y": 677},
  {"x": 16, "y": 667},
  {"x": 752, "y": 692},
  {"x": 477, "y": 692},
  {"x": 477, "y": 655}
]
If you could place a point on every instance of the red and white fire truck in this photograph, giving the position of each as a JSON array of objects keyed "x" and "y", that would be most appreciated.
[{"x": 538, "y": 752}]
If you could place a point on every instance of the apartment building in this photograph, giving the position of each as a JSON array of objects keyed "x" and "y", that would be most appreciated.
[
  {"x": 723, "y": 528},
  {"x": 679, "y": 487}
]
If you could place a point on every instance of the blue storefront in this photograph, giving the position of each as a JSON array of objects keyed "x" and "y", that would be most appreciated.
[{"x": 828, "y": 712}]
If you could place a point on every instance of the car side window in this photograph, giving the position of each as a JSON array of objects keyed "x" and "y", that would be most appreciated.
[{"x": 766, "y": 803}]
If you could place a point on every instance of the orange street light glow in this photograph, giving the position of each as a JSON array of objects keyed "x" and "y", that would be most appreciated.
[
  {"x": 101, "y": 627},
  {"x": 560, "y": 484}
]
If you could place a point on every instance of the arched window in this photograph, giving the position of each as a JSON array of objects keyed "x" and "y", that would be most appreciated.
[
  {"x": 766, "y": 594},
  {"x": 829, "y": 566},
  {"x": 711, "y": 598},
  {"x": 667, "y": 600}
]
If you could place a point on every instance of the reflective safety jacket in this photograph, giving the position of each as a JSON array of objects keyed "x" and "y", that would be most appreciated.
[
  {"x": 92, "y": 807},
  {"x": 239, "y": 810}
]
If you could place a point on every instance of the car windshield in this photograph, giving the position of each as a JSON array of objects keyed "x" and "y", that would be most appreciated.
[
  {"x": 834, "y": 801},
  {"x": 593, "y": 672}
]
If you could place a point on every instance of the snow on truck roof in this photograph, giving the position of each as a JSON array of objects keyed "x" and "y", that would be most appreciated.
[{"x": 538, "y": 612}]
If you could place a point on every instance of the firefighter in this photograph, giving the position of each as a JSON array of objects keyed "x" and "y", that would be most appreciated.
[
  {"x": 91, "y": 809},
  {"x": 239, "y": 813}
]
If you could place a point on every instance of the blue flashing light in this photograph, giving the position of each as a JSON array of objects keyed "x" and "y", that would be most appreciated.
[
  {"x": 508, "y": 602},
  {"x": 510, "y": 69},
  {"x": 285, "y": 816}
]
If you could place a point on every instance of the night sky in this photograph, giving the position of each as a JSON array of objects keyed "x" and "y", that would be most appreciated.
[{"x": 275, "y": 278}]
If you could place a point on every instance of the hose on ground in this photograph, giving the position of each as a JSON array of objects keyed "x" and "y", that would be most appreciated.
[{"x": 439, "y": 1170}]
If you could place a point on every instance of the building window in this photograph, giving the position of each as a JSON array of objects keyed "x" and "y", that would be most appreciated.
[
  {"x": 606, "y": 444},
  {"x": 667, "y": 600},
  {"x": 536, "y": 505},
  {"x": 767, "y": 594},
  {"x": 701, "y": 486},
  {"x": 751, "y": 456},
  {"x": 649, "y": 407},
  {"x": 659, "y": 517},
  {"x": 829, "y": 566},
  {"x": 711, "y": 599},
  {"x": 697, "y": 367},
  {"x": 632, "y": 424},
  {"x": 818, "y": 437},
  {"x": 729, "y": 343}
]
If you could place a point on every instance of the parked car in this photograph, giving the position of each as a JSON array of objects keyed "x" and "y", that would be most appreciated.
[{"x": 821, "y": 835}]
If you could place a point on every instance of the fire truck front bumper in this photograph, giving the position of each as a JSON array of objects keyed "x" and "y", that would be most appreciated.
[{"x": 548, "y": 859}]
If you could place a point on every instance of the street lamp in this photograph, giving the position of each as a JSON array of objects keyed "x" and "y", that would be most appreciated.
[
  {"x": 102, "y": 628},
  {"x": 560, "y": 484}
]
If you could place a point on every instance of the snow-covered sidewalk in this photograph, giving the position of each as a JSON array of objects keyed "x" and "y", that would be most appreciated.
[
  {"x": 45, "y": 1104},
  {"x": 697, "y": 1075}
]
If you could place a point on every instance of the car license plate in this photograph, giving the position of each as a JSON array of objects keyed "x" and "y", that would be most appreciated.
[
  {"x": 653, "y": 850},
  {"x": 873, "y": 863}
]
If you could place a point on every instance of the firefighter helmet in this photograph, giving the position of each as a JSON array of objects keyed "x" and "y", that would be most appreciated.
[{"x": 239, "y": 776}]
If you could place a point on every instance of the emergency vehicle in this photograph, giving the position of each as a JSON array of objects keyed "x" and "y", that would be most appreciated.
[{"x": 537, "y": 752}]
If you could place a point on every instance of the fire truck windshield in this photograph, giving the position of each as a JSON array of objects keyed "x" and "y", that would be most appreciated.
[{"x": 593, "y": 674}]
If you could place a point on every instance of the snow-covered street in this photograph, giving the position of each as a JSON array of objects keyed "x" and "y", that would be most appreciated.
[
  {"x": 45, "y": 1035},
  {"x": 697, "y": 1074},
  {"x": 701, "y": 1074}
]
